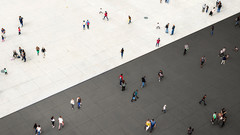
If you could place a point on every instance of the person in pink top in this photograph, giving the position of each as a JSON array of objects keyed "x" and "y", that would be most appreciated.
[
  {"x": 105, "y": 15},
  {"x": 19, "y": 31},
  {"x": 158, "y": 41}
]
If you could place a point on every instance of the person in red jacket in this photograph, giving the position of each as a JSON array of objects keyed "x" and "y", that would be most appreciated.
[
  {"x": 19, "y": 31},
  {"x": 158, "y": 41},
  {"x": 121, "y": 79},
  {"x": 105, "y": 15}
]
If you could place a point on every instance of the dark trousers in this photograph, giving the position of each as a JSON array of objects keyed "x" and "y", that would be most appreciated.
[
  {"x": 185, "y": 52},
  {"x": 203, "y": 102},
  {"x": 19, "y": 33}
]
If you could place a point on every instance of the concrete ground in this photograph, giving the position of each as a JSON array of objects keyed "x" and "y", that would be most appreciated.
[{"x": 107, "y": 110}]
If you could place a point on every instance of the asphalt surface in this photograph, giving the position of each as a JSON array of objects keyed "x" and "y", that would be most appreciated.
[{"x": 107, "y": 110}]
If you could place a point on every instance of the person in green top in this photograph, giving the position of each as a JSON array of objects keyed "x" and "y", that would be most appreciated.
[{"x": 214, "y": 117}]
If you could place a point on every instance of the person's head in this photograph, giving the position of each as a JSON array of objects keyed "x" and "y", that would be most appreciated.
[
  {"x": 39, "y": 126},
  {"x": 121, "y": 74},
  {"x": 60, "y": 116},
  {"x": 19, "y": 16},
  {"x": 100, "y": 8},
  {"x": 157, "y": 22},
  {"x": 152, "y": 119},
  {"x": 83, "y": 20},
  {"x": 123, "y": 81},
  {"x": 137, "y": 90},
  {"x": 159, "y": 38},
  {"x": 4, "y": 68},
  {"x": 190, "y": 127},
  {"x": 19, "y": 27},
  {"x": 52, "y": 117},
  {"x": 205, "y": 95},
  {"x": 215, "y": 112}
]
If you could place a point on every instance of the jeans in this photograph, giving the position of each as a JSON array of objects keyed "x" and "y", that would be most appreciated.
[
  {"x": 212, "y": 32},
  {"x": 166, "y": 30},
  {"x": 172, "y": 32},
  {"x": 79, "y": 105},
  {"x": 143, "y": 84}
]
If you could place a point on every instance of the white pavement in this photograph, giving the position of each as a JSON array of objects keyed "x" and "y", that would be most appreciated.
[{"x": 74, "y": 55}]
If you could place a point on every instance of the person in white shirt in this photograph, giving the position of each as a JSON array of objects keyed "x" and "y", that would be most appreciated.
[
  {"x": 72, "y": 103},
  {"x": 39, "y": 129},
  {"x": 61, "y": 123},
  {"x": 84, "y": 24},
  {"x": 164, "y": 108}
]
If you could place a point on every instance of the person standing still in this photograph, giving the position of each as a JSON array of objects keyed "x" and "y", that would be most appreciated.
[
  {"x": 203, "y": 7},
  {"x": 167, "y": 28},
  {"x": 173, "y": 28},
  {"x": 207, "y": 8},
  {"x": 203, "y": 100},
  {"x": 212, "y": 29},
  {"x": 202, "y": 60},
  {"x": 122, "y": 51},
  {"x": 84, "y": 24},
  {"x": 37, "y": 49},
  {"x": 186, "y": 47},
  {"x": 79, "y": 102},
  {"x": 21, "y": 21},
  {"x": 88, "y": 24},
  {"x": 237, "y": 21},
  {"x": 153, "y": 124},
  {"x": 121, "y": 78},
  {"x": 158, "y": 41},
  {"x": 164, "y": 110},
  {"x": 143, "y": 81},
  {"x": 72, "y": 103},
  {"x": 223, "y": 60},
  {"x": 19, "y": 31},
  {"x": 123, "y": 85}
]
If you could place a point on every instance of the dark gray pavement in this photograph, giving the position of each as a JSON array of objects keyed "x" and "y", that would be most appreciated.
[{"x": 108, "y": 111}]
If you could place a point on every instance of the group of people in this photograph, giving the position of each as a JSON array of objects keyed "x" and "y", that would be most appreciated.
[
  {"x": 87, "y": 23},
  {"x": 223, "y": 55},
  {"x": 79, "y": 102},
  {"x": 21, "y": 52},
  {"x": 149, "y": 125},
  {"x": 43, "y": 51},
  {"x": 220, "y": 118},
  {"x": 173, "y": 28},
  {"x": 205, "y": 8}
]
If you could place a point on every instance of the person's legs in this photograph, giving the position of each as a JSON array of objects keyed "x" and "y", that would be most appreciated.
[
  {"x": 143, "y": 84},
  {"x": 185, "y": 51}
]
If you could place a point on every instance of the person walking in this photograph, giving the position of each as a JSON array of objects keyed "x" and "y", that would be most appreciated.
[
  {"x": 214, "y": 117},
  {"x": 223, "y": 121},
  {"x": 84, "y": 24},
  {"x": 203, "y": 8},
  {"x": 153, "y": 124},
  {"x": 44, "y": 52},
  {"x": 88, "y": 24},
  {"x": 39, "y": 129},
  {"x": 158, "y": 41},
  {"x": 5, "y": 71},
  {"x": 133, "y": 97},
  {"x": 24, "y": 56},
  {"x": 219, "y": 6},
  {"x": 147, "y": 125},
  {"x": 122, "y": 51},
  {"x": 203, "y": 100},
  {"x": 237, "y": 21},
  {"x": 212, "y": 29},
  {"x": 105, "y": 15},
  {"x": 123, "y": 85},
  {"x": 207, "y": 8},
  {"x": 160, "y": 75},
  {"x": 190, "y": 130},
  {"x": 121, "y": 78},
  {"x": 202, "y": 60},
  {"x": 72, "y": 103},
  {"x": 129, "y": 19},
  {"x": 167, "y": 28},
  {"x": 186, "y": 47},
  {"x": 143, "y": 81},
  {"x": 212, "y": 11},
  {"x": 21, "y": 20},
  {"x": 37, "y": 49},
  {"x": 60, "y": 122},
  {"x": 53, "y": 122},
  {"x": 164, "y": 109},
  {"x": 173, "y": 28},
  {"x": 19, "y": 31},
  {"x": 79, "y": 102},
  {"x": 35, "y": 128},
  {"x": 223, "y": 60},
  {"x": 2, "y": 38},
  {"x": 158, "y": 26}
]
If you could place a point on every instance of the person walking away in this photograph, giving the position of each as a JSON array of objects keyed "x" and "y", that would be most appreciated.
[
  {"x": 158, "y": 41},
  {"x": 61, "y": 123},
  {"x": 19, "y": 31},
  {"x": 212, "y": 11},
  {"x": 84, "y": 24},
  {"x": 219, "y": 6},
  {"x": 121, "y": 78},
  {"x": 164, "y": 109},
  {"x": 203, "y": 7},
  {"x": 35, "y": 128},
  {"x": 214, "y": 117},
  {"x": 207, "y": 8},
  {"x": 202, "y": 60},
  {"x": 237, "y": 21},
  {"x": 143, "y": 81},
  {"x": 3, "y": 38},
  {"x": 105, "y": 15},
  {"x": 133, "y": 97},
  {"x": 223, "y": 59},
  {"x": 72, "y": 103},
  {"x": 53, "y": 122},
  {"x": 88, "y": 24},
  {"x": 123, "y": 85},
  {"x": 44, "y": 52},
  {"x": 160, "y": 75},
  {"x": 129, "y": 19},
  {"x": 39, "y": 129},
  {"x": 203, "y": 100},
  {"x": 122, "y": 51},
  {"x": 136, "y": 94},
  {"x": 79, "y": 102},
  {"x": 153, "y": 124},
  {"x": 212, "y": 29},
  {"x": 190, "y": 130},
  {"x": 186, "y": 47},
  {"x": 173, "y": 28},
  {"x": 21, "y": 21},
  {"x": 167, "y": 28},
  {"x": 37, "y": 49},
  {"x": 24, "y": 56},
  {"x": 147, "y": 125}
]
